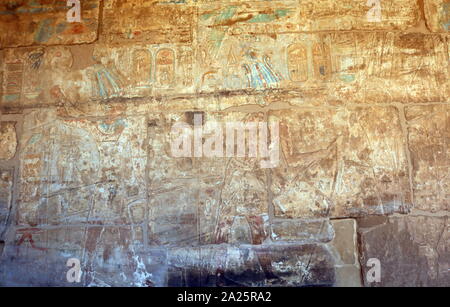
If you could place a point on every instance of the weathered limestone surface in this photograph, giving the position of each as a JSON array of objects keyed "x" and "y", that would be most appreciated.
[
  {"x": 344, "y": 249},
  {"x": 218, "y": 200},
  {"x": 30, "y": 22},
  {"x": 85, "y": 170},
  {"x": 359, "y": 90},
  {"x": 340, "y": 163},
  {"x": 338, "y": 68},
  {"x": 62, "y": 75},
  {"x": 259, "y": 17},
  {"x": 437, "y": 14},
  {"x": 8, "y": 140},
  {"x": 428, "y": 128},
  {"x": 152, "y": 22},
  {"x": 271, "y": 265},
  {"x": 302, "y": 230},
  {"x": 413, "y": 250},
  {"x": 105, "y": 252},
  {"x": 6, "y": 190},
  {"x": 214, "y": 265}
]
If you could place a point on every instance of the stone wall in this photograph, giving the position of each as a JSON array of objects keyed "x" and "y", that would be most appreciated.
[{"x": 361, "y": 93}]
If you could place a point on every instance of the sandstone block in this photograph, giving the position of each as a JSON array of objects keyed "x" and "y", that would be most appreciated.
[
  {"x": 344, "y": 249},
  {"x": 29, "y": 22},
  {"x": 151, "y": 22},
  {"x": 437, "y": 14},
  {"x": 6, "y": 190},
  {"x": 305, "y": 231},
  {"x": 226, "y": 197},
  {"x": 271, "y": 265},
  {"x": 8, "y": 140},
  {"x": 428, "y": 128},
  {"x": 412, "y": 250},
  {"x": 340, "y": 163},
  {"x": 86, "y": 170}
]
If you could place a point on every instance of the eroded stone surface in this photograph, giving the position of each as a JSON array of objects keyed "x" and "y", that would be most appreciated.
[
  {"x": 356, "y": 15},
  {"x": 333, "y": 68},
  {"x": 29, "y": 22},
  {"x": 336, "y": 67},
  {"x": 275, "y": 17},
  {"x": 340, "y": 163},
  {"x": 107, "y": 257},
  {"x": 8, "y": 140},
  {"x": 413, "y": 250},
  {"x": 428, "y": 128},
  {"x": 361, "y": 99},
  {"x": 215, "y": 265},
  {"x": 154, "y": 22},
  {"x": 302, "y": 230},
  {"x": 6, "y": 190},
  {"x": 218, "y": 200},
  {"x": 345, "y": 241},
  {"x": 270, "y": 265},
  {"x": 437, "y": 13},
  {"x": 344, "y": 249},
  {"x": 59, "y": 76},
  {"x": 85, "y": 170},
  {"x": 39, "y": 75}
]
